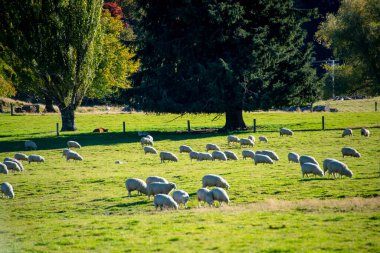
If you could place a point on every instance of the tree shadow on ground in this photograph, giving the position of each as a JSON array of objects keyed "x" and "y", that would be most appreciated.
[
  {"x": 315, "y": 179},
  {"x": 126, "y": 205}
]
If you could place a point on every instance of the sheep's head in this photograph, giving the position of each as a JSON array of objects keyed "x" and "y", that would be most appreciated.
[
  {"x": 173, "y": 186},
  {"x": 357, "y": 154}
]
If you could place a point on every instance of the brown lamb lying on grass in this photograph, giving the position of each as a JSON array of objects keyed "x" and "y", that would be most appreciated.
[{"x": 100, "y": 130}]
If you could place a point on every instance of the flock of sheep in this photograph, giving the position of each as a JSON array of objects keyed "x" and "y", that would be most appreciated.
[
  {"x": 15, "y": 164},
  {"x": 160, "y": 187}
]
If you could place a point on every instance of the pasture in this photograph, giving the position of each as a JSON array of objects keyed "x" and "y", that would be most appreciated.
[{"x": 83, "y": 206}]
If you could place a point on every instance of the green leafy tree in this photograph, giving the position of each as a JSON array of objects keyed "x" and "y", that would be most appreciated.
[
  {"x": 222, "y": 56},
  {"x": 59, "y": 42},
  {"x": 354, "y": 36}
]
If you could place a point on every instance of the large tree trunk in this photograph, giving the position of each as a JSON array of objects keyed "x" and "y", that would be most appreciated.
[
  {"x": 68, "y": 118},
  {"x": 234, "y": 120},
  {"x": 49, "y": 104}
]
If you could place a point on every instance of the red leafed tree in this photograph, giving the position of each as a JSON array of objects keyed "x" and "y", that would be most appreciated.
[{"x": 114, "y": 9}]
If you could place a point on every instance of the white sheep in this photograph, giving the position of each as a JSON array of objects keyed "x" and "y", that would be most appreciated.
[
  {"x": 337, "y": 167},
  {"x": 185, "y": 149},
  {"x": 65, "y": 152},
  {"x": 149, "y": 137},
  {"x": 73, "y": 144},
  {"x": 36, "y": 158},
  {"x": 364, "y": 132},
  {"x": 214, "y": 180},
  {"x": 262, "y": 159},
  {"x": 346, "y": 151},
  {"x": 285, "y": 131},
  {"x": 263, "y": 139},
  {"x": 219, "y": 155},
  {"x": 220, "y": 195},
  {"x": 252, "y": 138},
  {"x": 232, "y": 139},
  {"x": 326, "y": 163},
  {"x": 136, "y": 184},
  {"x": 12, "y": 165},
  {"x": 231, "y": 155},
  {"x": 167, "y": 156},
  {"x": 7, "y": 190},
  {"x": 16, "y": 161},
  {"x": 293, "y": 157},
  {"x": 204, "y": 195},
  {"x": 181, "y": 197},
  {"x": 247, "y": 153},
  {"x": 163, "y": 200},
  {"x": 21, "y": 157},
  {"x": 30, "y": 145},
  {"x": 155, "y": 179},
  {"x": 308, "y": 159},
  {"x": 163, "y": 188},
  {"x": 346, "y": 132},
  {"x": 246, "y": 142},
  {"x": 311, "y": 168},
  {"x": 202, "y": 156},
  {"x": 150, "y": 150},
  {"x": 211, "y": 146},
  {"x": 3, "y": 168},
  {"x": 146, "y": 141},
  {"x": 193, "y": 155},
  {"x": 269, "y": 153},
  {"x": 72, "y": 155}
]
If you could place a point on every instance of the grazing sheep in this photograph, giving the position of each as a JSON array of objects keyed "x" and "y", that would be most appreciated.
[
  {"x": 118, "y": 162},
  {"x": 326, "y": 163},
  {"x": 73, "y": 144},
  {"x": 36, "y": 158},
  {"x": 211, "y": 146},
  {"x": 308, "y": 159},
  {"x": 100, "y": 130},
  {"x": 181, "y": 197},
  {"x": 12, "y": 166},
  {"x": 194, "y": 155},
  {"x": 72, "y": 155},
  {"x": 346, "y": 151},
  {"x": 220, "y": 195},
  {"x": 269, "y": 153},
  {"x": 7, "y": 190},
  {"x": 21, "y": 157},
  {"x": 185, "y": 149},
  {"x": 219, "y": 155},
  {"x": 311, "y": 168},
  {"x": 146, "y": 141},
  {"x": 285, "y": 131},
  {"x": 232, "y": 138},
  {"x": 252, "y": 138},
  {"x": 346, "y": 132},
  {"x": 246, "y": 142},
  {"x": 3, "y": 168},
  {"x": 293, "y": 157},
  {"x": 204, "y": 195},
  {"x": 339, "y": 168},
  {"x": 231, "y": 155},
  {"x": 262, "y": 159},
  {"x": 163, "y": 188},
  {"x": 214, "y": 180},
  {"x": 150, "y": 150},
  {"x": 364, "y": 132},
  {"x": 248, "y": 153},
  {"x": 136, "y": 184},
  {"x": 204, "y": 156},
  {"x": 30, "y": 145},
  {"x": 65, "y": 152},
  {"x": 167, "y": 156},
  {"x": 263, "y": 139},
  {"x": 149, "y": 137},
  {"x": 16, "y": 161},
  {"x": 163, "y": 200},
  {"x": 156, "y": 179}
]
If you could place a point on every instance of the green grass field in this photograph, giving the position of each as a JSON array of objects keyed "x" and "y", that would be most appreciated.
[{"x": 83, "y": 206}]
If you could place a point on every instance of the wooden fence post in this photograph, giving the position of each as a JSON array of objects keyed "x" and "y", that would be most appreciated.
[
  {"x": 124, "y": 127},
  {"x": 188, "y": 126},
  {"x": 375, "y": 106},
  {"x": 11, "y": 109},
  {"x": 254, "y": 125},
  {"x": 57, "y": 128},
  {"x": 323, "y": 122}
]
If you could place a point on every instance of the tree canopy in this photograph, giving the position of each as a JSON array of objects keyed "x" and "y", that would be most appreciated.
[
  {"x": 222, "y": 56},
  {"x": 354, "y": 36}
]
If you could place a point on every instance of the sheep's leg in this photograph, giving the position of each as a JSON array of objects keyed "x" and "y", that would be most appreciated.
[{"x": 129, "y": 193}]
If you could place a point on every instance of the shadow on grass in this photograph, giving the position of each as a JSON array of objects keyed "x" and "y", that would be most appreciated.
[
  {"x": 315, "y": 179},
  {"x": 125, "y": 205}
]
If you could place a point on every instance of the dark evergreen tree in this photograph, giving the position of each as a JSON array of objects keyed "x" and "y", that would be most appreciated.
[{"x": 222, "y": 56}]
